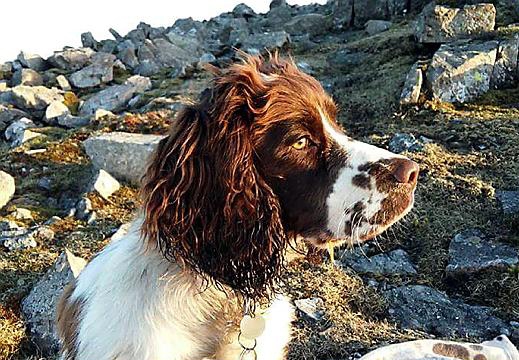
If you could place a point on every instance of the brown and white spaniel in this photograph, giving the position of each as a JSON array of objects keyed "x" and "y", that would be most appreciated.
[{"x": 257, "y": 161}]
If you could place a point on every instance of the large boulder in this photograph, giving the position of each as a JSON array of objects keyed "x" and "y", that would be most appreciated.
[
  {"x": 312, "y": 24},
  {"x": 422, "y": 308},
  {"x": 33, "y": 97},
  {"x": 471, "y": 252},
  {"x": 259, "y": 43},
  {"x": 99, "y": 72},
  {"x": 461, "y": 71},
  {"x": 71, "y": 59},
  {"x": 32, "y": 61},
  {"x": 505, "y": 72},
  {"x": 412, "y": 86},
  {"x": 440, "y": 24},
  {"x": 39, "y": 307},
  {"x": 123, "y": 155},
  {"x": 7, "y": 188},
  {"x": 115, "y": 97}
]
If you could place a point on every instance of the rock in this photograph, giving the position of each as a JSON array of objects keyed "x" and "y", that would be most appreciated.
[
  {"x": 406, "y": 142},
  {"x": 422, "y": 308},
  {"x": 22, "y": 214},
  {"x": 88, "y": 40},
  {"x": 311, "y": 307},
  {"x": 83, "y": 208},
  {"x": 8, "y": 115},
  {"x": 115, "y": 97},
  {"x": 32, "y": 61},
  {"x": 7, "y": 188},
  {"x": 123, "y": 155},
  {"x": 342, "y": 11},
  {"x": 3, "y": 85},
  {"x": 242, "y": 10},
  {"x": 19, "y": 242},
  {"x": 396, "y": 262},
  {"x": 39, "y": 307},
  {"x": 56, "y": 110},
  {"x": 128, "y": 57},
  {"x": 105, "y": 184},
  {"x": 369, "y": 9},
  {"x": 505, "y": 71},
  {"x": 258, "y": 43},
  {"x": 412, "y": 86},
  {"x": 312, "y": 24},
  {"x": 377, "y": 26},
  {"x": 440, "y": 24},
  {"x": 278, "y": 17},
  {"x": 99, "y": 72},
  {"x": 72, "y": 122},
  {"x": 72, "y": 59},
  {"x": 17, "y": 132},
  {"x": 45, "y": 183},
  {"x": 102, "y": 113},
  {"x": 116, "y": 35},
  {"x": 277, "y": 3},
  {"x": 509, "y": 201},
  {"x": 27, "y": 77},
  {"x": 5, "y": 70},
  {"x": 63, "y": 83},
  {"x": 470, "y": 252},
  {"x": 33, "y": 97},
  {"x": 206, "y": 58},
  {"x": 461, "y": 71}
]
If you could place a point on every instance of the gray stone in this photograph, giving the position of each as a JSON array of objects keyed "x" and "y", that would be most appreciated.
[
  {"x": 83, "y": 208},
  {"x": 115, "y": 97},
  {"x": 116, "y": 35},
  {"x": 370, "y": 9},
  {"x": 342, "y": 11},
  {"x": 123, "y": 155},
  {"x": 377, "y": 26},
  {"x": 71, "y": 59},
  {"x": 312, "y": 24},
  {"x": 242, "y": 10},
  {"x": 206, "y": 58},
  {"x": 27, "y": 77},
  {"x": 461, "y": 71},
  {"x": 63, "y": 83},
  {"x": 278, "y": 17},
  {"x": 439, "y": 24},
  {"x": 509, "y": 201},
  {"x": 422, "y": 308},
  {"x": 105, "y": 184},
  {"x": 311, "y": 307},
  {"x": 54, "y": 111},
  {"x": 45, "y": 183},
  {"x": 17, "y": 133},
  {"x": 8, "y": 115},
  {"x": 99, "y": 72},
  {"x": 277, "y": 3},
  {"x": 5, "y": 70},
  {"x": 33, "y": 97},
  {"x": 7, "y": 188},
  {"x": 39, "y": 307},
  {"x": 396, "y": 262},
  {"x": 405, "y": 142},
  {"x": 258, "y": 43},
  {"x": 128, "y": 57},
  {"x": 470, "y": 252},
  {"x": 32, "y": 61},
  {"x": 412, "y": 86},
  {"x": 73, "y": 122},
  {"x": 88, "y": 40},
  {"x": 505, "y": 71}
]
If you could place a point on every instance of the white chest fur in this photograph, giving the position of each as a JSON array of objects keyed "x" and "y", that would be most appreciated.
[{"x": 137, "y": 305}]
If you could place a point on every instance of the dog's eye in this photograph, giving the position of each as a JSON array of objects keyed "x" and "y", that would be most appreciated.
[{"x": 301, "y": 143}]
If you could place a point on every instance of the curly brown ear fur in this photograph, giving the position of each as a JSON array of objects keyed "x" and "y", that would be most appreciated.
[{"x": 206, "y": 203}]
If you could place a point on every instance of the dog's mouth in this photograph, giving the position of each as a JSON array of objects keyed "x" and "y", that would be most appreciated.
[{"x": 363, "y": 226}]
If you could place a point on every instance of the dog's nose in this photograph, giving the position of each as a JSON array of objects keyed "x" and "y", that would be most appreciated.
[{"x": 405, "y": 171}]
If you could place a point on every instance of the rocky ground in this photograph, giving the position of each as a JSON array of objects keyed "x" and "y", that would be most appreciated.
[{"x": 438, "y": 83}]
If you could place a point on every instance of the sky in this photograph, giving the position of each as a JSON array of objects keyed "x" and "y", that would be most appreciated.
[{"x": 41, "y": 27}]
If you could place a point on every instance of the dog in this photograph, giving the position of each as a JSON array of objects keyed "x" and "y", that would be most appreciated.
[{"x": 257, "y": 161}]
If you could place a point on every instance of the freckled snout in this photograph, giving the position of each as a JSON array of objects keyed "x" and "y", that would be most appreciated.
[{"x": 405, "y": 171}]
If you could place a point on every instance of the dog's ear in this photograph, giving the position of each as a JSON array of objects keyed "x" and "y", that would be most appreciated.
[{"x": 206, "y": 203}]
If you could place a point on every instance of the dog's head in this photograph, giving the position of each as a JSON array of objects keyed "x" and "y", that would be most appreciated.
[{"x": 261, "y": 158}]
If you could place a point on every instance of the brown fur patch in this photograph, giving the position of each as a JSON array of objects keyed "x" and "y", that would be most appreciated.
[
  {"x": 452, "y": 350},
  {"x": 67, "y": 321},
  {"x": 362, "y": 181},
  {"x": 480, "y": 357}
]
